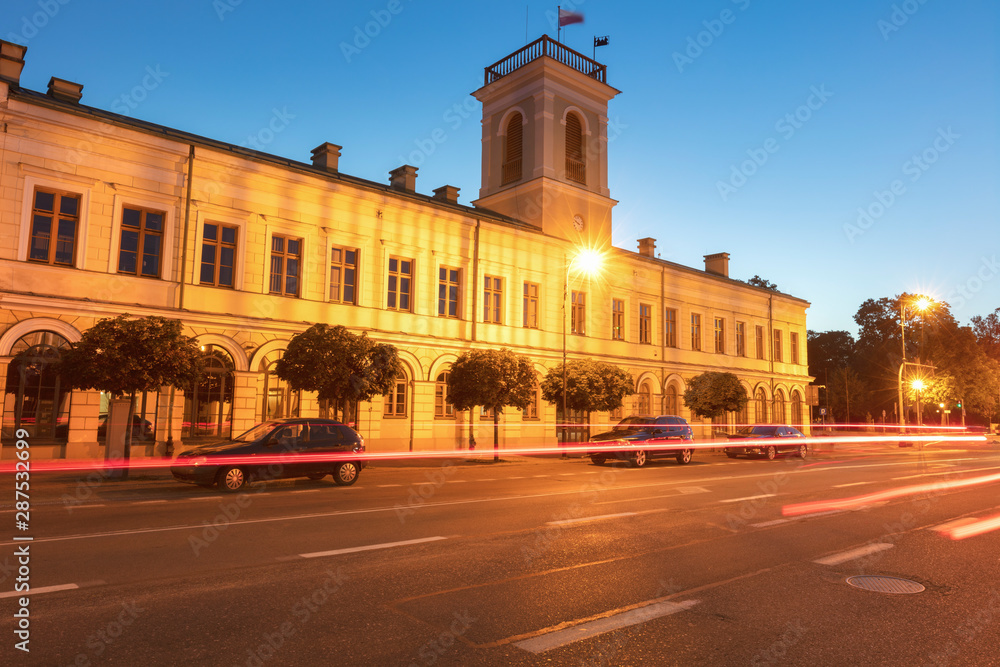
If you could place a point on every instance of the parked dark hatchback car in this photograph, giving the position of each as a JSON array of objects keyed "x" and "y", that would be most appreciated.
[
  {"x": 300, "y": 443},
  {"x": 633, "y": 432},
  {"x": 767, "y": 440}
]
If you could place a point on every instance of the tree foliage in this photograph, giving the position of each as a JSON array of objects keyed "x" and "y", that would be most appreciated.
[
  {"x": 340, "y": 366},
  {"x": 757, "y": 281},
  {"x": 591, "y": 386},
  {"x": 712, "y": 394},
  {"x": 123, "y": 356},
  {"x": 493, "y": 379}
]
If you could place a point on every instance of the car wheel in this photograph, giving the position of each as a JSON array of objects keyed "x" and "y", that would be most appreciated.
[
  {"x": 598, "y": 460},
  {"x": 232, "y": 479},
  {"x": 770, "y": 452},
  {"x": 731, "y": 455},
  {"x": 346, "y": 473},
  {"x": 639, "y": 459},
  {"x": 803, "y": 450},
  {"x": 684, "y": 456}
]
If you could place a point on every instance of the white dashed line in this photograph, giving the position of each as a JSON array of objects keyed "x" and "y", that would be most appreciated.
[
  {"x": 860, "y": 552},
  {"x": 739, "y": 500},
  {"x": 588, "y": 518},
  {"x": 370, "y": 547},
  {"x": 43, "y": 589}
]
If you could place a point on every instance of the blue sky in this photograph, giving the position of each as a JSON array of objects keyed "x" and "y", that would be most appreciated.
[{"x": 843, "y": 150}]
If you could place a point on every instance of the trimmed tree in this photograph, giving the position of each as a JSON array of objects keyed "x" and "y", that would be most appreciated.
[
  {"x": 493, "y": 379},
  {"x": 340, "y": 366},
  {"x": 713, "y": 393},
  {"x": 591, "y": 386},
  {"x": 123, "y": 356}
]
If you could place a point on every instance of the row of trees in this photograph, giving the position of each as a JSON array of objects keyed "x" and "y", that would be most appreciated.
[
  {"x": 124, "y": 356},
  {"x": 959, "y": 365}
]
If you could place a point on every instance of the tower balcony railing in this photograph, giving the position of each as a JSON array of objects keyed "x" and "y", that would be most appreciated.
[
  {"x": 511, "y": 171},
  {"x": 546, "y": 46}
]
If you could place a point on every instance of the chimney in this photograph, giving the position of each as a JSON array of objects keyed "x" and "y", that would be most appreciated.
[
  {"x": 448, "y": 193},
  {"x": 647, "y": 247},
  {"x": 326, "y": 156},
  {"x": 403, "y": 178},
  {"x": 64, "y": 90},
  {"x": 11, "y": 61},
  {"x": 717, "y": 264}
]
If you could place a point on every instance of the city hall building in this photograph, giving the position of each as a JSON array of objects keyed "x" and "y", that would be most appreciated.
[{"x": 103, "y": 214}]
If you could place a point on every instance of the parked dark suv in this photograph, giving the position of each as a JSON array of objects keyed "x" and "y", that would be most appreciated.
[
  {"x": 633, "y": 432},
  {"x": 276, "y": 449}
]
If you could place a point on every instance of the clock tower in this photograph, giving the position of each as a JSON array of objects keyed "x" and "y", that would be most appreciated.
[{"x": 545, "y": 141}]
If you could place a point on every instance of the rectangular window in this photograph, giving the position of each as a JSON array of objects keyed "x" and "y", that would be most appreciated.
[
  {"x": 218, "y": 255},
  {"x": 777, "y": 345},
  {"x": 54, "y": 221},
  {"x": 578, "y": 313},
  {"x": 531, "y": 410},
  {"x": 741, "y": 339},
  {"x": 493, "y": 299},
  {"x": 448, "y": 292},
  {"x": 645, "y": 324},
  {"x": 344, "y": 275},
  {"x": 531, "y": 305},
  {"x": 442, "y": 408},
  {"x": 760, "y": 341},
  {"x": 670, "y": 328},
  {"x": 395, "y": 400},
  {"x": 695, "y": 331},
  {"x": 141, "y": 242},
  {"x": 617, "y": 319},
  {"x": 793, "y": 345},
  {"x": 399, "y": 284},
  {"x": 720, "y": 335},
  {"x": 286, "y": 265}
]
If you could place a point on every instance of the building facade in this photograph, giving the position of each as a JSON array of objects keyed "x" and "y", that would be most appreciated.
[{"x": 102, "y": 214}]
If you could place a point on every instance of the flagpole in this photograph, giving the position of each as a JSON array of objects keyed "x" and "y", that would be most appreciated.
[{"x": 558, "y": 22}]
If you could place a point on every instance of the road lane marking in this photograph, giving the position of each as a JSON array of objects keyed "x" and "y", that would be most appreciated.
[
  {"x": 860, "y": 552},
  {"x": 692, "y": 489},
  {"x": 739, "y": 500},
  {"x": 36, "y": 591},
  {"x": 305, "y": 491},
  {"x": 844, "y": 486},
  {"x": 557, "y": 638},
  {"x": 150, "y": 502},
  {"x": 765, "y": 524},
  {"x": 947, "y": 472},
  {"x": 371, "y": 547},
  {"x": 582, "y": 519},
  {"x": 387, "y": 486},
  {"x": 457, "y": 481}
]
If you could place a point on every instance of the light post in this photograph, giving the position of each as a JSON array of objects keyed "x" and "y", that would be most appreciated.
[
  {"x": 587, "y": 261},
  {"x": 922, "y": 303},
  {"x": 918, "y": 386}
]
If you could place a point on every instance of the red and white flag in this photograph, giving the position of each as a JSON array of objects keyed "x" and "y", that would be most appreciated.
[{"x": 567, "y": 17}]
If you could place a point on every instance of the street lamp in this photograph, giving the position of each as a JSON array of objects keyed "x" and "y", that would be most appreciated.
[
  {"x": 921, "y": 303},
  {"x": 587, "y": 262}
]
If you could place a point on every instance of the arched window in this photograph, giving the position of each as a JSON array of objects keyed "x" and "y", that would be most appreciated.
[
  {"x": 761, "y": 406},
  {"x": 576, "y": 166},
  {"x": 671, "y": 403},
  {"x": 512, "y": 150},
  {"x": 395, "y": 400},
  {"x": 796, "y": 417},
  {"x": 645, "y": 398},
  {"x": 442, "y": 408},
  {"x": 208, "y": 404},
  {"x": 279, "y": 399},
  {"x": 35, "y": 397},
  {"x": 743, "y": 417},
  {"x": 778, "y": 410}
]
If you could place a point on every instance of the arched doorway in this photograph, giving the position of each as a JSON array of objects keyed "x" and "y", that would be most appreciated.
[
  {"x": 796, "y": 419},
  {"x": 208, "y": 404},
  {"x": 35, "y": 397},
  {"x": 671, "y": 400},
  {"x": 760, "y": 405},
  {"x": 279, "y": 400},
  {"x": 778, "y": 404}
]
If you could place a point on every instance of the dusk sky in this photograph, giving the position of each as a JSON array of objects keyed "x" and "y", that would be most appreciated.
[{"x": 843, "y": 150}]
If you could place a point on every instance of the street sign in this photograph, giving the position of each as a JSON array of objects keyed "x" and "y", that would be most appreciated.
[{"x": 822, "y": 412}]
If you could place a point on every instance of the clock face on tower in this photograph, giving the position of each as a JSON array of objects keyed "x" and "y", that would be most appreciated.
[{"x": 578, "y": 223}]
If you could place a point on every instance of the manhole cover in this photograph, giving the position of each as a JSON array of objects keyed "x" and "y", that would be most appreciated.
[{"x": 885, "y": 584}]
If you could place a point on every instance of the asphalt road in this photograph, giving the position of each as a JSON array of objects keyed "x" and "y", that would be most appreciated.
[{"x": 525, "y": 562}]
